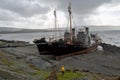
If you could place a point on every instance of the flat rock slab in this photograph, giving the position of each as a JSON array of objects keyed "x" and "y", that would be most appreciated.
[
  {"x": 25, "y": 51},
  {"x": 98, "y": 62},
  {"x": 105, "y": 62}
]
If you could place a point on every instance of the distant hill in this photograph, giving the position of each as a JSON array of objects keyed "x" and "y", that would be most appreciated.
[
  {"x": 9, "y": 29},
  {"x": 5, "y": 30}
]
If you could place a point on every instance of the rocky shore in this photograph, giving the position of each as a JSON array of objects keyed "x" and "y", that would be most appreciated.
[{"x": 25, "y": 63}]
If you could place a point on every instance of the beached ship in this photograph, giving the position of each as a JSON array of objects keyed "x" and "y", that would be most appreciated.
[{"x": 71, "y": 44}]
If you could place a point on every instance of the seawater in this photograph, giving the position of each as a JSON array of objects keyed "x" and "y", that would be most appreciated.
[
  {"x": 110, "y": 37},
  {"x": 28, "y": 37}
]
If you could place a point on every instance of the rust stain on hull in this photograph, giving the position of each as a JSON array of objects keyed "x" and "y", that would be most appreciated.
[{"x": 90, "y": 49}]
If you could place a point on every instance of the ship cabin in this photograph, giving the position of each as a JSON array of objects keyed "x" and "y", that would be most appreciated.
[{"x": 82, "y": 37}]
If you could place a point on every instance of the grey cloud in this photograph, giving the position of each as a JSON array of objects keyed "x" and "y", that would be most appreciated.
[
  {"x": 115, "y": 1},
  {"x": 28, "y": 11},
  {"x": 81, "y": 9},
  {"x": 6, "y": 23},
  {"x": 28, "y": 8},
  {"x": 50, "y": 3},
  {"x": 6, "y": 15},
  {"x": 81, "y": 6},
  {"x": 25, "y": 8}
]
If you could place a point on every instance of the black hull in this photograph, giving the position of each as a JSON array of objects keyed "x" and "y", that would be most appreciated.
[{"x": 60, "y": 49}]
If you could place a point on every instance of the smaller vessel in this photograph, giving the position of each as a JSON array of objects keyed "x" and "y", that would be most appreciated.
[{"x": 71, "y": 44}]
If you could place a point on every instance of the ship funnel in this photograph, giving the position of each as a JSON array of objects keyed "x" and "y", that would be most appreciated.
[
  {"x": 73, "y": 31},
  {"x": 87, "y": 30}
]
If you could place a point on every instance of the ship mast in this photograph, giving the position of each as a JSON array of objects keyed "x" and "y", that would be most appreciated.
[
  {"x": 70, "y": 15},
  {"x": 55, "y": 22}
]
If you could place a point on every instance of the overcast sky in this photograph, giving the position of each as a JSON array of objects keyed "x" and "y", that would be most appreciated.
[{"x": 39, "y": 13}]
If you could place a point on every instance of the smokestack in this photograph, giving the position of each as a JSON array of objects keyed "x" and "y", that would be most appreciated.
[
  {"x": 73, "y": 31},
  {"x": 87, "y": 30}
]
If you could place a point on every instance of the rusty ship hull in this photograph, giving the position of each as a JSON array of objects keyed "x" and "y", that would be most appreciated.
[{"x": 63, "y": 50}]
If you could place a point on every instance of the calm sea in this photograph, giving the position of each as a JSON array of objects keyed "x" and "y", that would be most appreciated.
[
  {"x": 111, "y": 37},
  {"x": 29, "y": 37}
]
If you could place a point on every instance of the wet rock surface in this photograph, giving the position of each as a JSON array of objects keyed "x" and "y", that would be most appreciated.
[
  {"x": 104, "y": 61},
  {"x": 110, "y": 48}
]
